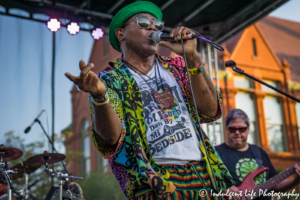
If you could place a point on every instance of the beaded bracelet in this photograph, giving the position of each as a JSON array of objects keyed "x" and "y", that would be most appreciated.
[{"x": 197, "y": 70}]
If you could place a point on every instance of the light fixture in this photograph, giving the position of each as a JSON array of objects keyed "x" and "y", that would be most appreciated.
[
  {"x": 53, "y": 24},
  {"x": 97, "y": 33},
  {"x": 73, "y": 28}
]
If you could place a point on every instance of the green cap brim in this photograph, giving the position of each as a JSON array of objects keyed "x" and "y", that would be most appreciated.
[{"x": 125, "y": 13}]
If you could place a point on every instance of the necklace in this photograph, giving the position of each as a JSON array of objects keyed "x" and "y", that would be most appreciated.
[
  {"x": 135, "y": 69},
  {"x": 163, "y": 97}
]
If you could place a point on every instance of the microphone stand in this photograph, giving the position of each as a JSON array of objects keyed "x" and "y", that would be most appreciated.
[
  {"x": 62, "y": 162},
  {"x": 240, "y": 71}
]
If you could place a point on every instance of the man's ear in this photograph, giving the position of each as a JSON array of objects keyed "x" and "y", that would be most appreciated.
[{"x": 120, "y": 34}]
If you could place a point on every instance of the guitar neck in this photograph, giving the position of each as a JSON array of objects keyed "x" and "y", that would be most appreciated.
[{"x": 274, "y": 180}]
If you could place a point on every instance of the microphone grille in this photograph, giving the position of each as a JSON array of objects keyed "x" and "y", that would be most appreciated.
[
  {"x": 229, "y": 63},
  {"x": 156, "y": 36},
  {"x": 27, "y": 129}
]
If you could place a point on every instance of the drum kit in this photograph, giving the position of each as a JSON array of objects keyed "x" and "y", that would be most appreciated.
[{"x": 23, "y": 169}]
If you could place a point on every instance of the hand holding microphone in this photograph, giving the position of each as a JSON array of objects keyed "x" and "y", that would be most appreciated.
[
  {"x": 175, "y": 35},
  {"x": 159, "y": 36}
]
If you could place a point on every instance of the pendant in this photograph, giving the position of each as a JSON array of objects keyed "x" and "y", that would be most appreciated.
[{"x": 164, "y": 99}]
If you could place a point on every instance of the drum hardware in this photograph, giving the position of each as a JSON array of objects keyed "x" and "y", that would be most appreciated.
[
  {"x": 50, "y": 158},
  {"x": 26, "y": 186},
  {"x": 8, "y": 154},
  {"x": 45, "y": 159},
  {"x": 7, "y": 173},
  {"x": 25, "y": 193},
  {"x": 62, "y": 178},
  {"x": 69, "y": 194},
  {"x": 54, "y": 150},
  {"x": 23, "y": 168}
]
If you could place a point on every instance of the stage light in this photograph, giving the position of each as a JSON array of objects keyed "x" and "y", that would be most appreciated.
[
  {"x": 53, "y": 24},
  {"x": 73, "y": 28},
  {"x": 97, "y": 33}
]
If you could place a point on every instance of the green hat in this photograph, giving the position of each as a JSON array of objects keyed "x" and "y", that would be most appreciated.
[{"x": 125, "y": 13}]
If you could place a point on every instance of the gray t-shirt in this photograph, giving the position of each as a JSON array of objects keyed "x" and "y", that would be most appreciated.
[{"x": 170, "y": 133}]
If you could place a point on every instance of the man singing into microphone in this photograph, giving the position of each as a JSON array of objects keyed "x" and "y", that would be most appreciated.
[{"x": 143, "y": 116}]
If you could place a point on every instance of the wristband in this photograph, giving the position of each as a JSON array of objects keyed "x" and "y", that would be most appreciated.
[
  {"x": 102, "y": 99},
  {"x": 197, "y": 70},
  {"x": 100, "y": 103}
]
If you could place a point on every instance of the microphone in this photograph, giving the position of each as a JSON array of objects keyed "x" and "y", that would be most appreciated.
[
  {"x": 230, "y": 63},
  {"x": 35, "y": 120},
  {"x": 158, "y": 36}
]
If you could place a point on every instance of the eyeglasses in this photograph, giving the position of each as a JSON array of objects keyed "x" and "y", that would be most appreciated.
[
  {"x": 234, "y": 129},
  {"x": 144, "y": 22}
]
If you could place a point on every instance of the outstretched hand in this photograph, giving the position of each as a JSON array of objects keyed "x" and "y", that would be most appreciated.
[{"x": 88, "y": 80}]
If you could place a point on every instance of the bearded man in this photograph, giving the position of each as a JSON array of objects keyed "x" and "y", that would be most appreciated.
[{"x": 241, "y": 158}]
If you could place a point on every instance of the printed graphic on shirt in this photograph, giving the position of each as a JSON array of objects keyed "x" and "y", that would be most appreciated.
[
  {"x": 165, "y": 127},
  {"x": 170, "y": 133},
  {"x": 244, "y": 166}
]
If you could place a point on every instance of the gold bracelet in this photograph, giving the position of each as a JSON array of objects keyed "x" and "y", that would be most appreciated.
[
  {"x": 197, "y": 70},
  {"x": 98, "y": 103}
]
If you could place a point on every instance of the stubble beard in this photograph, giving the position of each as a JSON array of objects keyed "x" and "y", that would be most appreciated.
[{"x": 144, "y": 50}]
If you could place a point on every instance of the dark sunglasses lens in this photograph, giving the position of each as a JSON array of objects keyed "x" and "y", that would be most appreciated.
[
  {"x": 242, "y": 129},
  {"x": 231, "y": 129},
  {"x": 158, "y": 25},
  {"x": 143, "y": 22},
  {"x": 234, "y": 129}
]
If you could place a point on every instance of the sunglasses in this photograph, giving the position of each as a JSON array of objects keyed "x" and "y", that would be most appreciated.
[
  {"x": 144, "y": 22},
  {"x": 234, "y": 129}
]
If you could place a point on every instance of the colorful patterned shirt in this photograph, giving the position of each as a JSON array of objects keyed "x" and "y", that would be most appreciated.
[{"x": 131, "y": 161}]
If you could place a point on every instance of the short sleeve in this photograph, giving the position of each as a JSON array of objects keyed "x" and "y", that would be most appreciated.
[
  {"x": 106, "y": 150},
  {"x": 272, "y": 171},
  {"x": 206, "y": 119}
]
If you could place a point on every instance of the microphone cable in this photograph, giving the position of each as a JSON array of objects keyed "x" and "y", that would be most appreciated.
[{"x": 213, "y": 44}]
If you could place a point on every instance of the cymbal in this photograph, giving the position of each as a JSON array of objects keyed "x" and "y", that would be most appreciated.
[
  {"x": 9, "y": 153},
  {"x": 51, "y": 158},
  {"x": 23, "y": 167}
]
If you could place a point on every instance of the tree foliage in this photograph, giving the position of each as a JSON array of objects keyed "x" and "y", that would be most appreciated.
[{"x": 101, "y": 186}]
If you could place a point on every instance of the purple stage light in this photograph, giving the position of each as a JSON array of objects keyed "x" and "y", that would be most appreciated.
[
  {"x": 73, "y": 28},
  {"x": 97, "y": 33},
  {"x": 53, "y": 24}
]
